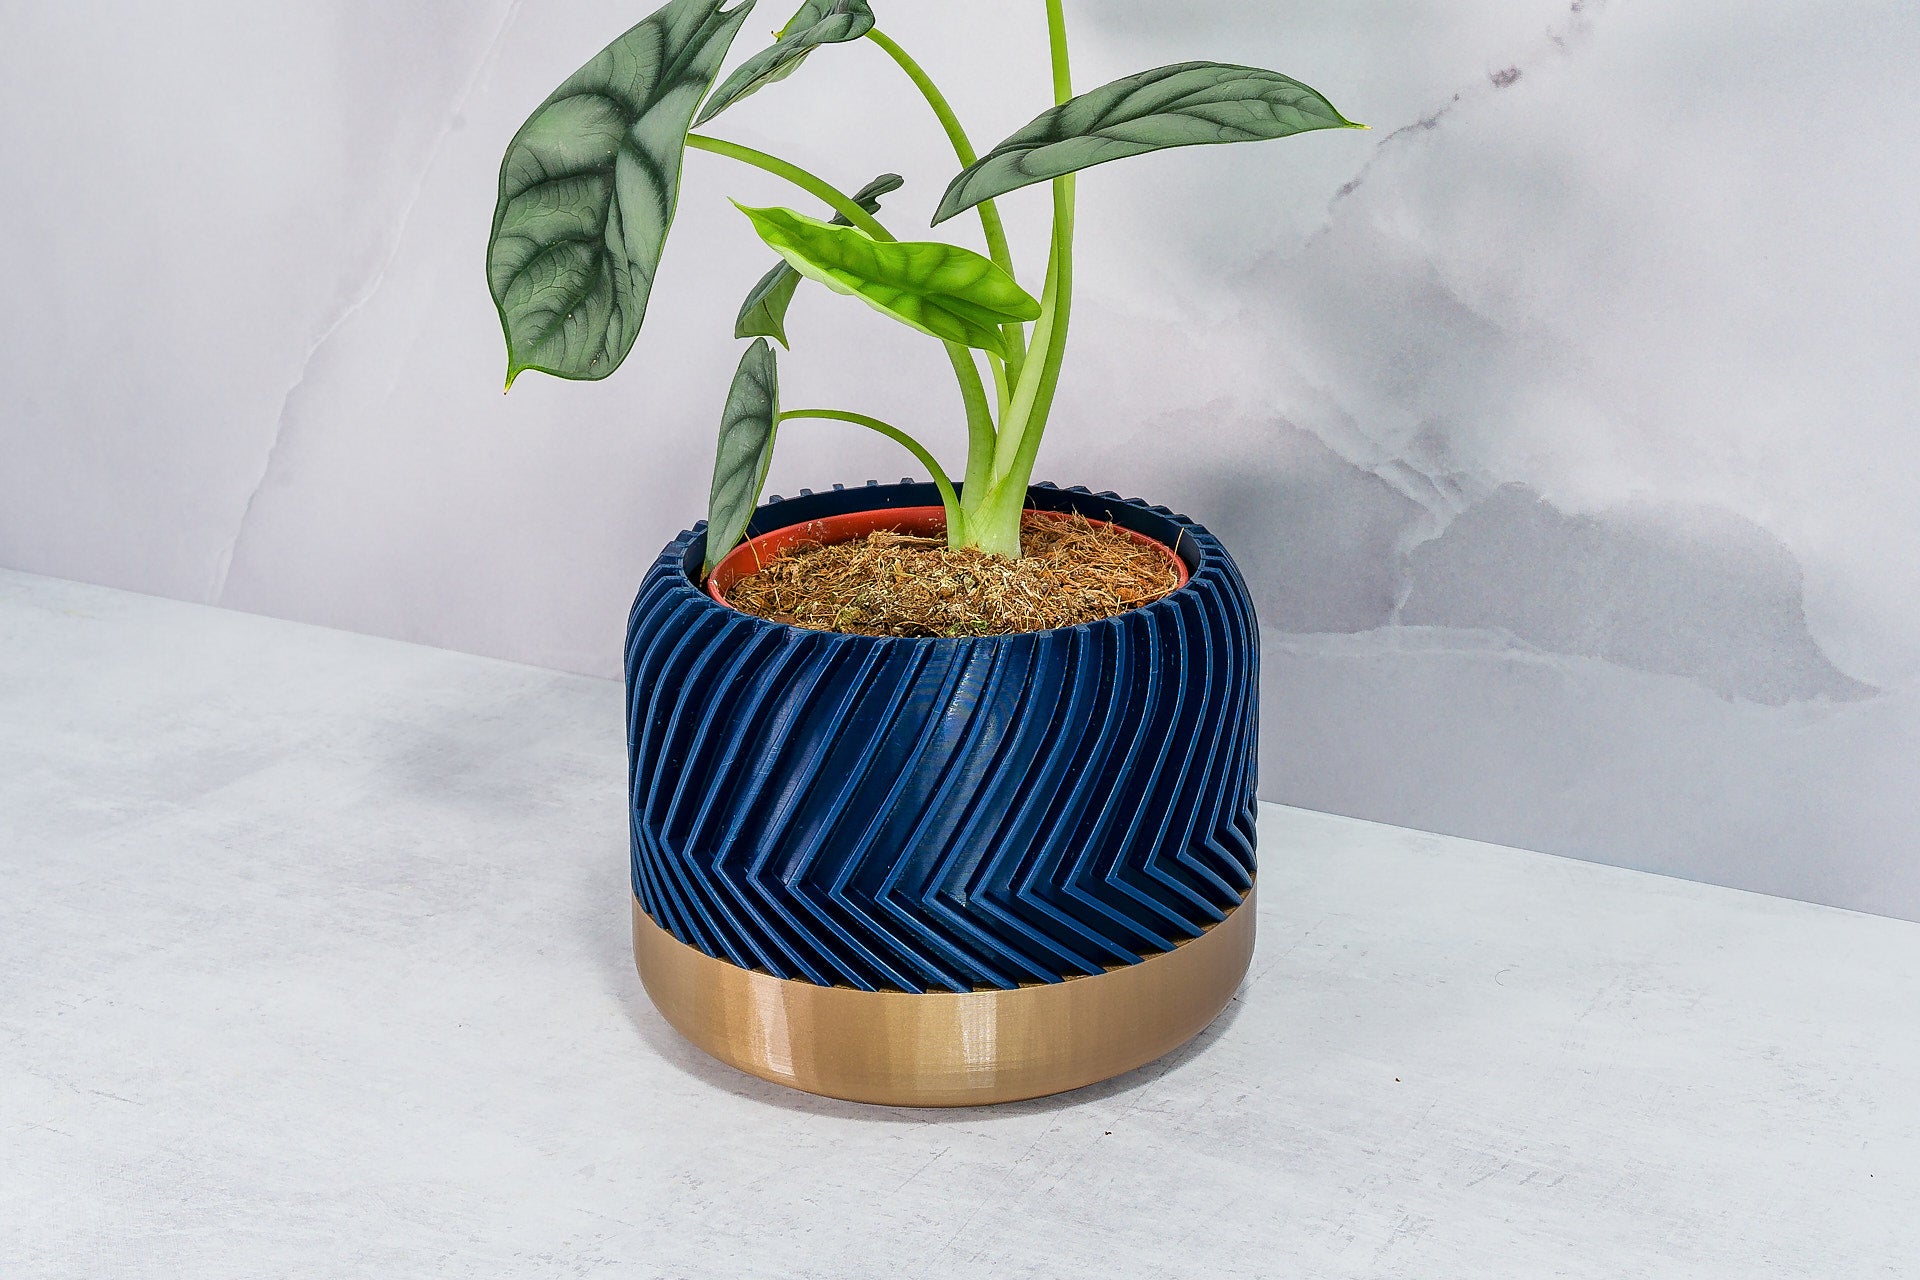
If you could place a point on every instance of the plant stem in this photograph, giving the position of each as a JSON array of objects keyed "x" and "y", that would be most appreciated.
[
  {"x": 996, "y": 234},
  {"x": 1026, "y": 446},
  {"x": 1057, "y": 49},
  {"x": 990, "y": 224},
  {"x": 995, "y": 515},
  {"x": 982, "y": 438},
  {"x": 956, "y": 522},
  {"x": 820, "y": 189}
]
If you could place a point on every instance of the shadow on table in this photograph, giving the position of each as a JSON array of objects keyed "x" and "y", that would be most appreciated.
[{"x": 662, "y": 1039}]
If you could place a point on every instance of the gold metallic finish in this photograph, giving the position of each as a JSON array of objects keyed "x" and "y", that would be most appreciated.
[{"x": 944, "y": 1049}]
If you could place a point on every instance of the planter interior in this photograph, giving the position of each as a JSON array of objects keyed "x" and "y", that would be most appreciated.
[{"x": 755, "y": 552}]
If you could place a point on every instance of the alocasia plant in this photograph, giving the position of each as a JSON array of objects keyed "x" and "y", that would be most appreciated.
[{"x": 589, "y": 186}]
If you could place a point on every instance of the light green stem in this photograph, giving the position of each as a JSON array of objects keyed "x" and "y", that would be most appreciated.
[
  {"x": 956, "y": 521},
  {"x": 995, "y": 514},
  {"x": 1027, "y": 444},
  {"x": 820, "y": 189},
  {"x": 1007, "y": 373},
  {"x": 1057, "y": 51},
  {"x": 982, "y": 439}
]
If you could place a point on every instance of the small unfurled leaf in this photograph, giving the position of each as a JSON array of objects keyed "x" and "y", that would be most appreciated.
[
  {"x": 745, "y": 451},
  {"x": 588, "y": 189},
  {"x": 940, "y": 289},
  {"x": 818, "y": 22},
  {"x": 764, "y": 314},
  {"x": 1183, "y": 105}
]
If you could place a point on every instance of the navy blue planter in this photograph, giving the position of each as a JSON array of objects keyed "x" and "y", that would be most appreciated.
[{"x": 943, "y": 814}]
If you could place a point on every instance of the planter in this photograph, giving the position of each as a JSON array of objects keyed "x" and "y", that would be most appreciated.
[{"x": 943, "y": 871}]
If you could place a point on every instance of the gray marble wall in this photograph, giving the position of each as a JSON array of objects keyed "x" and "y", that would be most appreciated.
[{"x": 1565, "y": 423}]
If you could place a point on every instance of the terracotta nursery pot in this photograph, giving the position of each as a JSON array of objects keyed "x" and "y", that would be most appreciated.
[
  {"x": 941, "y": 872},
  {"x": 756, "y": 550}
]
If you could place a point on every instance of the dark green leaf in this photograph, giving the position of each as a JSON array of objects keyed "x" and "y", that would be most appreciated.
[
  {"x": 764, "y": 314},
  {"x": 745, "y": 451},
  {"x": 940, "y": 289},
  {"x": 818, "y": 22},
  {"x": 1183, "y": 105},
  {"x": 588, "y": 189}
]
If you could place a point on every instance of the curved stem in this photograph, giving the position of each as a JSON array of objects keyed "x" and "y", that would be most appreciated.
[
  {"x": 983, "y": 440},
  {"x": 824, "y": 191},
  {"x": 995, "y": 231},
  {"x": 981, "y": 435},
  {"x": 990, "y": 224},
  {"x": 956, "y": 522}
]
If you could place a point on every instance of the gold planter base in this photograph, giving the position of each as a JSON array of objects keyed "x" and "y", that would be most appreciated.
[{"x": 944, "y": 1049}]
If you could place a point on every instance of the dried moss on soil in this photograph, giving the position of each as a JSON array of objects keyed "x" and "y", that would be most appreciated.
[{"x": 895, "y": 584}]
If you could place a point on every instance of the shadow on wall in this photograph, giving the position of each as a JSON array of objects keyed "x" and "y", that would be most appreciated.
[
  {"x": 1637, "y": 686},
  {"x": 1659, "y": 587},
  {"x": 1663, "y": 588},
  {"x": 1318, "y": 539}
]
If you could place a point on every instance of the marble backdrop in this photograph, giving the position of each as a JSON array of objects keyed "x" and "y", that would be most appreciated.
[{"x": 1565, "y": 422}]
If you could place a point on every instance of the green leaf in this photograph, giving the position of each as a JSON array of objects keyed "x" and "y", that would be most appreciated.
[
  {"x": 1183, "y": 105},
  {"x": 818, "y": 22},
  {"x": 940, "y": 289},
  {"x": 588, "y": 189},
  {"x": 764, "y": 314},
  {"x": 745, "y": 451}
]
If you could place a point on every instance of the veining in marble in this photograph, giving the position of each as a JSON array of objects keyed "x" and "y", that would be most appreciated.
[{"x": 1564, "y": 424}]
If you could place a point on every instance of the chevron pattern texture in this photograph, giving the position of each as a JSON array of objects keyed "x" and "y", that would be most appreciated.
[{"x": 934, "y": 814}]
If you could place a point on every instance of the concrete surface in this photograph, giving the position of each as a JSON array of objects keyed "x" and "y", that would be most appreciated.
[{"x": 314, "y": 963}]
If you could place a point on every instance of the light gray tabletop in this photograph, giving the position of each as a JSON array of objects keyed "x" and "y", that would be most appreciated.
[{"x": 314, "y": 963}]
